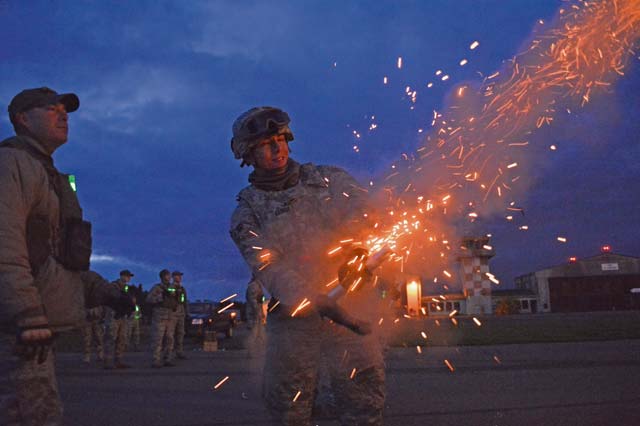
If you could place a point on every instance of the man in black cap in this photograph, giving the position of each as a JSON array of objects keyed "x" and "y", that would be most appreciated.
[
  {"x": 116, "y": 327},
  {"x": 45, "y": 281},
  {"x": 180, "y": 314}
]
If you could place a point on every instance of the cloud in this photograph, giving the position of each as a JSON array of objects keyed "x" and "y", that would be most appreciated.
[
  {"x": 253, "y": 31},
  {"x": 108, "y": 260},
  {"x": 121, "y": 98}
]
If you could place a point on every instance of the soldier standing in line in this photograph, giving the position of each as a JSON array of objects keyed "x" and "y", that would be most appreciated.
[
  {"x": 45, "y": 282},
  {"x": 179, "y": 314},
  {"x": 93, "y": 330},
  {"x": 164, "y": 302},
  {"x": 133, "y": 330},
  {"x": 116, "y": 327},
  {"x": 256, "y": 318},
  {"x": 293, "y": 213}
]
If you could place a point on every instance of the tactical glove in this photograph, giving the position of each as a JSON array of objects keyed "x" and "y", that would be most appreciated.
[
  {"x": 34, "y": 342},
  {"x": 327, "y": 307}
]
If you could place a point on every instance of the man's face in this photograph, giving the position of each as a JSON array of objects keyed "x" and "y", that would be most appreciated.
[
  {"x": 177, "y": 280},
  {"x": 271, "y": 153},
  {"x": 166, "y": 278},
  {"x": 125, "y": 279},
  {"x": 48, "y": 124}
]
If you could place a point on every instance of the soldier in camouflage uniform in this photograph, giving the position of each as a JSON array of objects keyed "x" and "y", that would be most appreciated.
[
  {"x": 164, "y": 302},
  {"x": 116, "y": 327},
  {"x": 283, "y": 224},
  {"x": 133, "y": 330},
  {"x": 93, "y": 329},
  {"x": 256, "y": 318},
  {"x": 45, "y": 246},
  {"x": 179, "y": 314}
]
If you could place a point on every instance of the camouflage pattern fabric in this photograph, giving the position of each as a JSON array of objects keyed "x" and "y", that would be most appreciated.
[
  {"x": 178, "y": 339},
  {"x": 116, "y": 341},
  {"x": 297, "y": 349},
  {"x": 28, "y": 390},
  {"x": 133, "y": 331},
  {"x": 295, "y": 227},
  {"x": 93, "y": 330},
  {"x": 162, "y": 328}
]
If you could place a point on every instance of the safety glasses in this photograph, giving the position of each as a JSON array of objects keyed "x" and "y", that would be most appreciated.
[{"x": 266, "y": 122}]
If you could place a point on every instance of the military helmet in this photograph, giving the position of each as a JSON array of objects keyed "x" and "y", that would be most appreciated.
[{"x": 255, "y": 124}]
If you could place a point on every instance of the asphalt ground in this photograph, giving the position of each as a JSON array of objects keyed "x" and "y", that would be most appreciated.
[{"x": 579, "y": 383}]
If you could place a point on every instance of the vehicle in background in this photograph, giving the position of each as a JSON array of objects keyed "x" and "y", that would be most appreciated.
[{"x": 206, "y": 316}]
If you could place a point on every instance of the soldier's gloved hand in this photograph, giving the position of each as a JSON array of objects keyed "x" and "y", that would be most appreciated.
[
  {"x": 327, "y": 307},
  {"x": 122, "y": 305},
  {"x": 34, "y": 342}
]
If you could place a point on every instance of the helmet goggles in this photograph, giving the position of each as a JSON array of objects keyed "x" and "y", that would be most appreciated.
[{"x": 265, "y": 123}]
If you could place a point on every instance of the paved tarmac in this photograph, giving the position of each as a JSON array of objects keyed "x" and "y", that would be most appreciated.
[{"x": 590, "y": 383}]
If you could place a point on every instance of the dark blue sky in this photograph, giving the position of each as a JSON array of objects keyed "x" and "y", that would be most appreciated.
[{"x": 161, "y": 82}]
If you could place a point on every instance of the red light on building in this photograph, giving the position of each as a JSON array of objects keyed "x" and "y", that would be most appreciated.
[
  {"x": 573, "y": 259},
  {"x": 605, "y": 249}
]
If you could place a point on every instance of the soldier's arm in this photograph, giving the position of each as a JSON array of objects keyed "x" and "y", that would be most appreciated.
[
  {"x": 22, "y": 186},
  {"x": 98, "y": 291},
  {"x": 155, "y": 296},
  {"x": 267, "y": 263}
]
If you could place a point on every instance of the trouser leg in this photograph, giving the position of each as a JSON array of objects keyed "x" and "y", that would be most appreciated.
[
  {"x": 28, "y": 390},
  {"x": 290, "y": 372},
  {"x": 86, "y": 340},
  {"x": 121, "y": 338},
  {"x": 110, "y": 342},
  {"x": 158, "y": 331},
  {"x": 179, "y": 343},
  {"x": 98, "y": 333},
  {"x": 360, "y": 400},
  {"x": 170, "y": 338}
]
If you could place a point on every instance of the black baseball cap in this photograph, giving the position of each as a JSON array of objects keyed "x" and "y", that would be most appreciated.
[
  {"x": 126, "y": 272},
  {"x": 39, "y": 97},
  {"x": 174, "y": 273}
]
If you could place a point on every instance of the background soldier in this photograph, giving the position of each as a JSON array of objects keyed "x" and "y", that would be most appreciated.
[
  {"x": 164, "y": 302},
  {"x": 45, "y": 282},
  {"x": 116, "y": 327},
  {"x": 133, "y": 329},
  {"x": 93, "y": 330},
  {"x": 295, "y": 212},
  {"x": 180, "y": 314},
  {"x": 256, "y": 318}
]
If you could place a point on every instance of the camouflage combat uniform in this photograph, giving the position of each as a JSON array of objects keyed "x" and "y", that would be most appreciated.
[
  {"x": 133, "y": 330},
  {"x": 178, "y": 320},
  {"x": 116, "y": 332},
  {"x": 93, "y": 330},
  {"x": 46, "y": 292},
  {"x": 162, "y": 323},
  {"x": 296, "y": 226}
]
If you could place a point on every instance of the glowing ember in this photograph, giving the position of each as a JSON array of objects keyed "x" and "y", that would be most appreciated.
[
  {"x": 562, "y": 239},
  {"x": 449, "y": 366},
  {"x": 477, "y": 321},
  {"x": 221, "y": 382},
  {"x": 226, "y": 307},
  {"x": 229, "y": 297},
  {"x": 295, "y": 398}
]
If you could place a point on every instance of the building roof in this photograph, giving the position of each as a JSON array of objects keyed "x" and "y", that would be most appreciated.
[{"x": 600, "y": 264}]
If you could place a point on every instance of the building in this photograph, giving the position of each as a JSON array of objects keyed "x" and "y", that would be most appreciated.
[{"x": 597, "y": 283}]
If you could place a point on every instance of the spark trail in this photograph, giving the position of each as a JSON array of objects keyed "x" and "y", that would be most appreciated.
[{"x": 472, "y": 161}]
